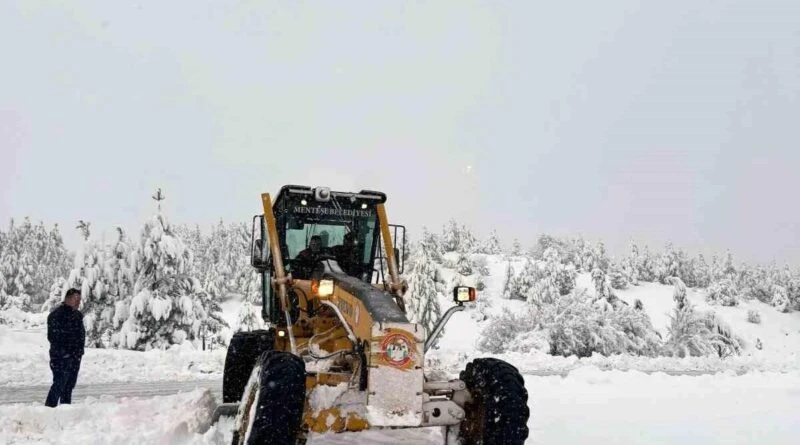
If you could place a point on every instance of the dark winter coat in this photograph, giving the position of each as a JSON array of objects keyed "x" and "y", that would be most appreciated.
[{"x": 65, "y": 332}]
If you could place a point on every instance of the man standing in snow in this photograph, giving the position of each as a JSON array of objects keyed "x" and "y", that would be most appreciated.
[{"x": 66, "y": 335}]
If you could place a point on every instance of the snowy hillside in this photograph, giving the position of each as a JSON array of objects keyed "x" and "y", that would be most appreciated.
[{"x": 779, "y": 333}]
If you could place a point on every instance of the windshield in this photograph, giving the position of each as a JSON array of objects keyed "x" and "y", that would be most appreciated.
[{"x": 331, "y": 238}]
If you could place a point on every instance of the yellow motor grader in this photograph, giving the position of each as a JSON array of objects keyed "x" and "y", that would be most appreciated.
[{"x": 339, "y": 353}]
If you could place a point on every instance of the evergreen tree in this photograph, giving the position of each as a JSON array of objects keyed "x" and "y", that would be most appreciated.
[
  {"x": 246, "y": 279},
  {"x": 601, "y": 257},
  {"x": 702, "y": 272},
  {"x": 679, "y": 293},
  {"x": 780, "y": 300},
  {"x": 422, "y": 297},
  {"x": 723, "y": 292},
  {"x": 219, "y": 262},
  {"x": 467, "y": 242},
  {"x": 729, "y": 269},
  {"x": 619, "y": 279},
  {"x": 516, "y": 248},
  {"x": 508, "y": 281},
  {"x": 646, "y": 266},
  {"x": 31, "y": 259},
  {"x": 492, "y": 245},
  {"x": 521, "y": 287},
  {"x": 119, "y": 266},
  {"x": 601, "y": 285},
  {"x": 249, "y": 318},
  {"x": 168, "y": 306},
  {"x": 464, "y": 264},
  {"x": 88, "y": 275},
  {"x": 450, "y": 236},
  {"x": 196, "y": 244},
  {"x": 629, "y": 267}
]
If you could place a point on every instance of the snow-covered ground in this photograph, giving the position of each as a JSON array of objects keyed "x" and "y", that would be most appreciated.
[
  {"x": 587, "y": 406},
  {"x": 747, "y": 399}
]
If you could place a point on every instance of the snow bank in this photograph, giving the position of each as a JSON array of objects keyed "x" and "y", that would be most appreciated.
[{"x": 179, "y": 419}]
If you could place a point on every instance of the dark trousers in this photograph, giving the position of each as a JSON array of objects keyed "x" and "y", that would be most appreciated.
[{"x": 65, "y": 374}]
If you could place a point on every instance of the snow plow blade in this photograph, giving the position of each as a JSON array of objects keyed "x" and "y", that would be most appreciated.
[{"x": 225, "y": 409}]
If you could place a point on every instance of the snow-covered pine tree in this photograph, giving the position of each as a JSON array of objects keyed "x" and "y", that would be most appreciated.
[
  {"x": 601, "y": 257},
  {"x": 553, "y": 280},
  {"x": 196, "y": 244},
  {"x": 646, "y": 265},
  {"x": 450, "y": 236},
  {"x": 464, "y": 264},
  {"x": 422, "y": 297},
  {"x": 780, "y": 300},
  {"x": 756, "y": 283},
  {"x": 249, "y": 318},
  {"x": 702, "y": 272},
  {"x": 576, "y": 325},
  {"x": 619, "y": 279},
  {"x": 695, "y": 333},
  {"x": 508, "y": 279},
  {"x": 492, "y": 245},
  {"x": 168, "y": 306},
  {"x": 467, "y": 242},
  {"x": 119, "y": 266},
  {"x": 57, "y": 292},
  {"x": 16, "y": 265},
  {"x": 88, "y": 275},
  {"x": 30, "y": 261},
  {"x": 575, "y": 253},
  {"x": 793, "y": 290},
  {"x": 628, "y": 265},
  {"x": 679, "y": 292},
  {"x": 521, "y": 285},
  {"x": 723, "y": 292},
  {"x": 246, "y": 280},
  {"x": 516, "y": 248},
  {"x": 220, "y": 262},
  {"x": 601, "y": 286},
  {"x": 728, "y": 268},
  {"x": 544, "y": 291}
]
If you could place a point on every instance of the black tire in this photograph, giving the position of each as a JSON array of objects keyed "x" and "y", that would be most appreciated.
[
  {"x": 244, "y": 349},
  {"x": 498, "y": 412},
  {"x": 271, "y": 410}
]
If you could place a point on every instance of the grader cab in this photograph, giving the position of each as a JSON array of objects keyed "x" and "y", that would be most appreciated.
[{"x": 339, "y": 352}]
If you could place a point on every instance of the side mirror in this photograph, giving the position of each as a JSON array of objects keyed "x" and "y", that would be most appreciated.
[
  {"x": 258, "y": 249},
  {"x": 464, "y": 294}
]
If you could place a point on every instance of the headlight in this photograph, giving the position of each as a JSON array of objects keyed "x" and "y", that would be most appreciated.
[
  {"x": 464, "y": 294},
  {"x": 325, "y": 288}
]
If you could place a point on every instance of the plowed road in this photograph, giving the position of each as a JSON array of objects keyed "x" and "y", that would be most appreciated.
[{"x": 38, "y": 393}]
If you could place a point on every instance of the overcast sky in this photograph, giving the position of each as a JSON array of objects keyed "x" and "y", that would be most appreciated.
[{"x": 659, "y": 121}]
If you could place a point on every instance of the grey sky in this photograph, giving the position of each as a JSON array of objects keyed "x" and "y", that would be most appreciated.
[{"x": 655, "y": 120}]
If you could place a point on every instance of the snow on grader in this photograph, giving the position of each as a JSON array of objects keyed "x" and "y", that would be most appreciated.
[{"x": 339, "y": 353}]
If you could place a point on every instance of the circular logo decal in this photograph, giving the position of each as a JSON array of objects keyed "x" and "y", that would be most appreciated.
[{"x": 397, "y": 349}]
